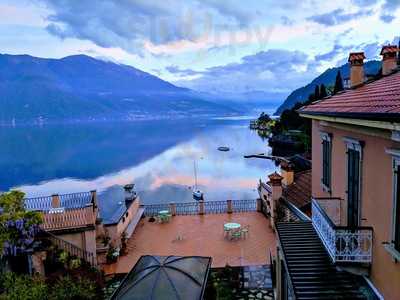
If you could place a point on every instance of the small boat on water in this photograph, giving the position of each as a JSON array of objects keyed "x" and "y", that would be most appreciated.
[
  {"x": 224, "y": 149},
  {"x": 197, "y": 194}
]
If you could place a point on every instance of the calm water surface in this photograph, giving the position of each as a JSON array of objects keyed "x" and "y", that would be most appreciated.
[{"x": 157, "y": 156}]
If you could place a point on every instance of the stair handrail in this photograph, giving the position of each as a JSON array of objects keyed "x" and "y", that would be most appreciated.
[{"x": 72, "y": 249}]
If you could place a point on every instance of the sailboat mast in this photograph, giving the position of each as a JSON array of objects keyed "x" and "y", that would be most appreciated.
[{"x": 195, "y": 175}]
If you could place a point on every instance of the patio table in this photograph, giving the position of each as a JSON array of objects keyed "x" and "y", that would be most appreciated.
[
  {"x": 163, "y": 212},
  {"x": 231, "y": 226}
]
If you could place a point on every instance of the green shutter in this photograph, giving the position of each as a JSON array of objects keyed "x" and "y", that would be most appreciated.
[
  {"x": 397, "y": 210},
  {"x": 353, "y": 184},
  {"x": 326, "y": 163}
]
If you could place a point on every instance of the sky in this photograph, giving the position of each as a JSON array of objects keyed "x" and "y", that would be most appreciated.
[{"x": 221, "y": 46}]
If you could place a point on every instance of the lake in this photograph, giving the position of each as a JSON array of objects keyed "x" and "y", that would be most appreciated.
[{"x": 158, "y": 156}]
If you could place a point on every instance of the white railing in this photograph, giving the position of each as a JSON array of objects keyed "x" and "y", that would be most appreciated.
[
  {"x": 202, "y": 207},
  {"x": 344, "y": 244},
  {"x": 70, "y": 201}
]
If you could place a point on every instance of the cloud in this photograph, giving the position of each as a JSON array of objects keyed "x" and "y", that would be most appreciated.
[
  {"x": 230, "y": 8},
  {"x": 130, "y": 24},
  {"x": 338, "y": 16},
  {"x": 389, "y": 8},
  {"x": 391, "y": 5},
  {"x": 372, "y": 50},
  {"x": 363, "y": 3},
  {"x": 114, "y": 23},
  {"x": 182, "y": 72},
  {"x": 387, "y": 18},
  {"x": 275, "y": 71},
  {"x": 286, "y": 21},
  {"x": 335, "y": 52}
]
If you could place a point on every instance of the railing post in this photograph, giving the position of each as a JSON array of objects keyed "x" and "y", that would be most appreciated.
[
  {"x": 55, "y": 200},
  {"x": 259, "y": 205},
  {"x": 229, "y": 206},
  {"x": 172, "y": 208},
  {"x": 201, "y": 207},
  {"x": 94, "y": 197}
]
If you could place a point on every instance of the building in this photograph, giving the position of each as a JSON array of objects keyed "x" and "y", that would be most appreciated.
[
  {"x": 355, "y": 181},
  {"x": 87, "y": 224},
  {"x": 294, "y": 186}
]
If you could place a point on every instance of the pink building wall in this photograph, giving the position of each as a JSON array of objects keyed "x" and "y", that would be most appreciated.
[
  {"x": 376, "y": 193},
  {"x": 115, "y": 231}
]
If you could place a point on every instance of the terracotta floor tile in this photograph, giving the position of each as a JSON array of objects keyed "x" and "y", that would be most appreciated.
[{"x": 201, "y": 235}]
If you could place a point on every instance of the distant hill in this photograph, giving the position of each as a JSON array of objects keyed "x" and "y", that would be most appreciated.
[
  {"x": 327, "y": 78},
  {"x": 83, "y": 88}
]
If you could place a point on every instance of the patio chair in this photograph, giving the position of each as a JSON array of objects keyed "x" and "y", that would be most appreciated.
[
  {"x": 236, "y": 234},
  {"x": 245, "y": 230},
  {"x": 166, "y": 218},
  {"x": 226, "y": 231}
]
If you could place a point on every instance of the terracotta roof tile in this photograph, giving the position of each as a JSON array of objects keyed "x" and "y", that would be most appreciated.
[
  {"x": 380, "y": 98},
  {"x": 389, "y": 49},
  {"x": 299, "y": 192},
  {"x": 356, "y": 56}
]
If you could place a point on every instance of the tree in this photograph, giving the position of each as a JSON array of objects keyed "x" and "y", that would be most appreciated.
[
  {"x": 264, "y": 117},
  {"x": 338, "y": 83},
  {"x": 316, "y": 93},
  {"x": 290, "y": 118},
  {"x": 322, "y": 92},
  {"x": 311, "y": 99},
  {"x": 18, "y": 227}
]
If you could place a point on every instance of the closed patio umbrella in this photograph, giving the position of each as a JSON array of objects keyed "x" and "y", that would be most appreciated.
[{"x": 165, "y": 277}]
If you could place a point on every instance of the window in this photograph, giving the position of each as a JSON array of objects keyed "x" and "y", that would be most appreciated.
[
  {"x": 326, "y": 160},
  {"x": 396, "y": 219},
  {"x": 354, "y": 159},
  {"x": 395, "y": 244}
]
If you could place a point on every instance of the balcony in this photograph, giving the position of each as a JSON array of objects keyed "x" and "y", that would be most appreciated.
[
  {"x": 69, "y": 218},
  {"x": 344, "y": 244}
]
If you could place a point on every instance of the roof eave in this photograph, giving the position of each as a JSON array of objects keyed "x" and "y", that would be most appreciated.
[
  {"x": 355, "y": 115},
  {"x": 376, "y": 120}
]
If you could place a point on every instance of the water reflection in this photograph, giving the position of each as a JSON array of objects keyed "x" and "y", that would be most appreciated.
[{"x": 157, "y": 157}]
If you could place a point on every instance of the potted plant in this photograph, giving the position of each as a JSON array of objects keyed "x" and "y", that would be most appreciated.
[{"x": 112, "y": 254}]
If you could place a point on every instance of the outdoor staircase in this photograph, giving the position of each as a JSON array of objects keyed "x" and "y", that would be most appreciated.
[
  {"x": 70, "y": 248},
  {"x": 310, "y": 269}
]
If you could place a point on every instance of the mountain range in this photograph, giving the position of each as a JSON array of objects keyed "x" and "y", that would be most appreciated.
[
  {"x": 328, "y": 79},
  {"x": 80, "y": 87}
]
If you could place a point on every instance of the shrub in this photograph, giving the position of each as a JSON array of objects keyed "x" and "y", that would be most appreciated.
[
  {"x": 63, "y": 257},
  {"x": 67, "y": 288},
  {"x": 22, "y": 287},
  {"x": 75, "y": 263},
  {"x": 18, "y": 227}
]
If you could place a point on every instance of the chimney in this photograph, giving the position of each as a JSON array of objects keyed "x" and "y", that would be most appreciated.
[
  {"x": 389, "y": 59},
  {"x": 275, "y": 181},
  {"x": 287, "y": 173},
  {"x": 130, "y": 194},
  {"x": 356, "y": 60},
  {"x": 55, "y": 201}
]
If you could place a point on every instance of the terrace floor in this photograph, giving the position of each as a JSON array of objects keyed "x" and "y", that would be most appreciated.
[{"x": 201, "y": 235}]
